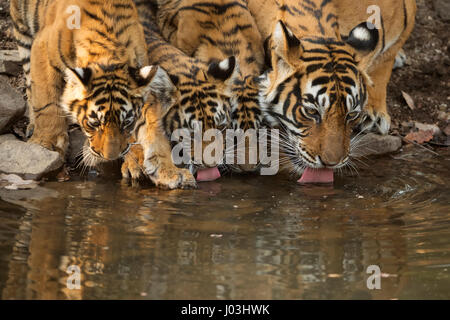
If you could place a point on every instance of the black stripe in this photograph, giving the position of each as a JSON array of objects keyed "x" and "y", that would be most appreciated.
[
  {"x": 36, "y": 17},
  {"x": 93, "y": 16},
  {"x": 23, "y": 45},
  {"x": 405, "y": 19},
  {"x": 384, "y": 35},
  {"x": 44, "y": 107}
]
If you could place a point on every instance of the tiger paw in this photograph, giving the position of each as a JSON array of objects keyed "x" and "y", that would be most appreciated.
[
  {"x": 375, "y": 121},
  {"x": 54, "y": 142},
  {"x": 167, "y": 176},
  {"x": 400, "y": 60},
  {"x": 132, "y": 164}
]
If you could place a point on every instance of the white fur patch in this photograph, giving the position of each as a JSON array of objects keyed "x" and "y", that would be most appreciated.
[
  {"x": 224, "y": 64},
  {"x": 278, "y": 34},
  {"x": 145, "y": 71},
  {"x": 80, "y": 72},
  {"x": 362, "y": 34}
]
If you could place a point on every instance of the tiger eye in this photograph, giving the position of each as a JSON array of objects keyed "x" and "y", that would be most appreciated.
[
  {"x": 352, "y": 115},
  {"x": 312, "y": 112}
]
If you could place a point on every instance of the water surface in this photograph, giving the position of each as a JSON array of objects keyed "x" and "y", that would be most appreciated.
[{"x": 243, "y": 237}]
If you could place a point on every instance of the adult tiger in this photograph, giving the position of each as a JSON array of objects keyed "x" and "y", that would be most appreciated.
[
  {"x": 211, "y": 31},
  {"x": 202, "y": 92},
  {"x": 88, "y": 59},
  {"x": 323, "y": 84}
]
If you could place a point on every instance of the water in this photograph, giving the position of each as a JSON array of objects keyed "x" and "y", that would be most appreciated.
[{"x": 243, "y": 237}]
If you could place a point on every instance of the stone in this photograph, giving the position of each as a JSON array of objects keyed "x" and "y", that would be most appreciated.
[
  {"x": 428, "y": 127},
  {"x": 10, "y": 62},
  {"x": 442, "y": 8},
  {"x": 77, "y": 139},
  {"x": 447, "y": 130},
  {"x": 444, "y": 116},
  {"x": 27, "y": 160},
  {"x": 374, "y": 144},
  {"x": 12, "y": 105}
]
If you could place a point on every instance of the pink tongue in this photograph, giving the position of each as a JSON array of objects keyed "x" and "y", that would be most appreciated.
[
  {"x": 316, "y": 176},
  {"x": 209, "y": 174}
]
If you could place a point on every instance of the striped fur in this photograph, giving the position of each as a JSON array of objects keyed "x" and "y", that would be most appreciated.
[
  {"x": 98, "y": 73},
  {"x": 91, "y": 71},
  {"x": 395, "y": 23},
  {"x": 203, "y": 89},
  {"x": 318, "y": 89},
  {"x": 212, "y": 30}
]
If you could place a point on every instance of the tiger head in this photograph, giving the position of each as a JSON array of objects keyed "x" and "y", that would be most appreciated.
[
  {"x": 315, "y": 94},
  {"x": 203, "y": 103},
  {"x": 246, "y": 117},
  {"x": 105, "y": 100}
]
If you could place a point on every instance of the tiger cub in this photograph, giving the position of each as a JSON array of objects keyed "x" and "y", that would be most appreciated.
[
  {"x": 88, "y": 59},
  {"x": 211, "y": 31},
  {"x": 202, "y": 91},
  {"x": 323, "y": 84}
]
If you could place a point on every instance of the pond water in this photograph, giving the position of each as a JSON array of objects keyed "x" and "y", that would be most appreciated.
[{"x": 242, "y": 237}]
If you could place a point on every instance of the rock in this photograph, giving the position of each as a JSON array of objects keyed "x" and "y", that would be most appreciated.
[
  {"x": 7, "y": 137},
  {"x": 374, "y": 144},
  {"x": 12, "y": 105},
  {"x": 28, "y": 160},
  {"x": 10, "y": 62},
  {"x": 447, "y": 130},
  {"x": 444, "y": 116},
  {"x": 442, "y": 8},
  {"x": 77, "y": 139},
  {"x": 14, "y": 182},
  {"x": 428, "y": 127}
]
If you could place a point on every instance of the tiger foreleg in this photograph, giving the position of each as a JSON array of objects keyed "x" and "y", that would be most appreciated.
[
  {"x": 152, "y": 157},
  {"x": 377, "y": 117},
  {"x": 48, "y": 119}
]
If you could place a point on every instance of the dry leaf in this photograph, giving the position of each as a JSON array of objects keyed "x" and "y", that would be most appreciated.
[
  {"x": 420, "y": 136},
  {"x": 409, "y": 100}
]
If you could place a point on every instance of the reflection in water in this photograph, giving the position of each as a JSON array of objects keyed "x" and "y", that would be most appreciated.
[{"x": 238, "y": 238}]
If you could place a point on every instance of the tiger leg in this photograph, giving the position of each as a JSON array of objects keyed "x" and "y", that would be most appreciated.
[
  {"x": 153, "y": 157},
  {"x": 132, "y": 167},
  {"x": 400, "y": 59},
  {"x": 49, "y": 119},
  {"x": 377, "y": 116}
]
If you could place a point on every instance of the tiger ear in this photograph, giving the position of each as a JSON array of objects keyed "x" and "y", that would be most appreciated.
[
  {"x": 364, "y": 39},
  {"x": 77, "y": 82},
  {"x": 285, "y": 44},
  {"x": 224, "y": 70},
  {"x": 84, "y": 75},
  {"x": 155, "y": 80},
  {"x": 142, "y": 77}
]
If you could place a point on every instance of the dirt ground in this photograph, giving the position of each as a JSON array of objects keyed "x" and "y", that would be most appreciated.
[{"x": 426, "y": 76}]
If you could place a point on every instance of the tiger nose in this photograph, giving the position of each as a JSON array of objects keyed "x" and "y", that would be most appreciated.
[{"x": 330, "y": 162}]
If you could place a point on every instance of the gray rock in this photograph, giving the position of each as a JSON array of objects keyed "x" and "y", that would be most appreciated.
[
  {"x": 428, "y": 127},
  {"x": 442, "y": 8},
  {"x": 27, "y": 160},
  {"x": 12, "y": 105},
  {"x": 77, "y": 139},
  {"x": 374, "y": 144},
  {"x": 10, "y": 62}
]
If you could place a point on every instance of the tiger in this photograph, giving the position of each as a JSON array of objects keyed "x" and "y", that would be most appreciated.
[
  {"x": 86, "y": 61},
  {"x": 328, "y": 76},
  {"x": 211, "y": 31},
  {"x": 202, "y": 94}
]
